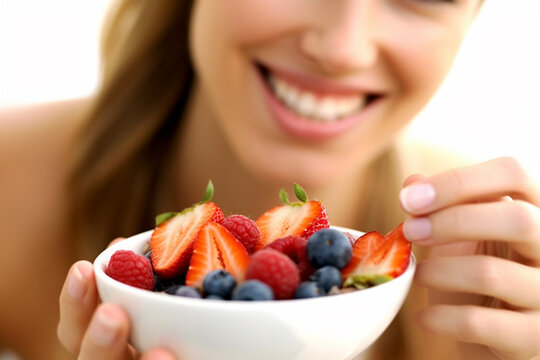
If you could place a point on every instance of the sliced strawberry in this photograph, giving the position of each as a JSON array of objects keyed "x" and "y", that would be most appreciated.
[
  {"x": 172, "y": 241},
  {"x": 216, "y": 248},
  {"x": 292, "y": 219},
  {"x": 376, "y": 254}
]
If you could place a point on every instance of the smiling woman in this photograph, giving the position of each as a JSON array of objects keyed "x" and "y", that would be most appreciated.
[
  {"x": 257, "y": 95},
  {"x": 68, "y": 67}
]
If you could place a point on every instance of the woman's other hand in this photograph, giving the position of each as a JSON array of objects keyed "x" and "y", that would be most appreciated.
[
  {"x": 91, "y": 329},
  {"x": 483, "y": 272}
]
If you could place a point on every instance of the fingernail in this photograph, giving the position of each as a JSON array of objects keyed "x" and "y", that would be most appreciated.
[
  {"x": 105, "y": 326},
  {"x": 417, "y": 229},
  {"x": 76, "y": 284},
  {"x": 417, "y": 197}
]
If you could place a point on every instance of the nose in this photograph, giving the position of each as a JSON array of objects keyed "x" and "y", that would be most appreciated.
[{"x": 344, "y": 36}]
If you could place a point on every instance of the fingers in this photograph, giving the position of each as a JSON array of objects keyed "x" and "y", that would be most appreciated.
[
  {"x": 486, "y": 181},
  {"x": 513, "y": 334},
  {"x": 92, "y": 331},
  {"x": 118, "y": 239},
  {"x": 515, "y": 222},
  {"x": 157, "y": 354},
  {"x": 107, "y": 335},
  {"x": 78, "y": 300},
  {"x": 505, "y": 280},
  {"x": 414, "y": 178}
]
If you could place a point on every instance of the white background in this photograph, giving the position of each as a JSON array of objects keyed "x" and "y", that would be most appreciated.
[{"x": 489, "y": 105}]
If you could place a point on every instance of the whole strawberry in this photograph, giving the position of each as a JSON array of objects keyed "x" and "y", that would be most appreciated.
[
  {"x": 276, "y": 270},
  {"x": 302, "y": 218},
  {"x": 131, "y": 269},
  {"x": 244, "y": 229}
]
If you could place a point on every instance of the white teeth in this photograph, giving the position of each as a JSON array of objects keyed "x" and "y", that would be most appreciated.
[
  {"x": 306, "y": 104},
  {"x": 309, "y": 105}
]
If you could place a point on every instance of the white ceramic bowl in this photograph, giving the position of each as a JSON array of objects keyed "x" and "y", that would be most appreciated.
[{"x": 331, "y": 327}]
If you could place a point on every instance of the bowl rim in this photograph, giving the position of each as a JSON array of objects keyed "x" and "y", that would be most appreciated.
[{"x": 139, "y": 239}]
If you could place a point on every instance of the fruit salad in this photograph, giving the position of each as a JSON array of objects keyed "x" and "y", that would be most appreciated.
[{"x": 289, "y": 252}]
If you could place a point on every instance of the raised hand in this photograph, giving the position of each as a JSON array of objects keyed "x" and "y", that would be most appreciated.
[{"x": 483, "y": 272}]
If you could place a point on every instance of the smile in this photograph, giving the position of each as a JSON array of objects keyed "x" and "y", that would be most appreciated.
[
  {"x": 312, "y": 106},
  {"x": 313, "y": 109}
]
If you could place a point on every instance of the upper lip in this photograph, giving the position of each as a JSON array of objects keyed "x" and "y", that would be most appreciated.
[{"x": 320, "y": 85}]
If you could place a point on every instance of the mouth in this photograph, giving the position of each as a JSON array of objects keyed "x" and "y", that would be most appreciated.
[{"x": 311, "y": 109}]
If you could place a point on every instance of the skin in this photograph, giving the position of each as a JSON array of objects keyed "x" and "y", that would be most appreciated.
[
  {"x": 480, "y": 289},
  {"x": 342, "y": 43},
  {"x": 339, "y": 42}
]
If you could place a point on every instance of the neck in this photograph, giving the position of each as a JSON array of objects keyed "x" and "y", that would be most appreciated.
[{"x": 203, "y": 154}]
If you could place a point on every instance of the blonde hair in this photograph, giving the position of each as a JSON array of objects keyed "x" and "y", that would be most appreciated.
[{"x": 122, "y": 151}]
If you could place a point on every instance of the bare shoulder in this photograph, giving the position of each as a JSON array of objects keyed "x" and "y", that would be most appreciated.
[
  {"x": 35, "y": 144},
  {"x": 20, "y": 123},
  {"x": 36, "y": 132}
]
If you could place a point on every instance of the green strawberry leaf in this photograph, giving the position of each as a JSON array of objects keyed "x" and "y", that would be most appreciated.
[
  {"x": 161, "y": 218},
  {"x": 300, "y": 193},
  {"x": 284, "y": 197},
  {"x": 209, "y": 193},
  {"x": 364, "y": 281}
]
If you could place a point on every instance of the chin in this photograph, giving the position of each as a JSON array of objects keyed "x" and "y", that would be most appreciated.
[{"x": 309, "y": 174}]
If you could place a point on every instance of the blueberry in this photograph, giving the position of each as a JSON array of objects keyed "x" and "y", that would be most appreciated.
[
  {"x": 253, "y": 290},
  {"x": 148, "y": 255},
  {"x": 308, "y": 289},
  {"x": 185, "y": 291},
  {"x": 214, "y": 297},
  {"x": 158, "y": 284},
  {"x": 219, "y": 282},
  {"x": 167, "y": 285},
  {"x": 171, "y": 289},
  {"x": 329, "y": 247},
  {"x": 327, "y": 277}
]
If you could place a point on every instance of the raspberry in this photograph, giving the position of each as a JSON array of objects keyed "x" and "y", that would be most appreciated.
[
  {"x": 131, "y": 269},
  {"x": 244, "y": 229},
  {"x": 275, "y": 269},
  {"x": 295, "y": 248}
]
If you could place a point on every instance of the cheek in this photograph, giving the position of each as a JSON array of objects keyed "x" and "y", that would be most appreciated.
[
  {"x": 256, "y": 21},
  {"x": 419, "y": 64},
  {"x": 423, "y": 54}
]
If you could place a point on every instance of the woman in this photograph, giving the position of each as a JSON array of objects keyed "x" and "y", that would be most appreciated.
[{"x": 257, "y": 95}]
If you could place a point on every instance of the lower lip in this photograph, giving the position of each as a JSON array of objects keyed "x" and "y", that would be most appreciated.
[{"x": 306, "y": 129}]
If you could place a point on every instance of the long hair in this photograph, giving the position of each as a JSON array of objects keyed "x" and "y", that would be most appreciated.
[{"x": 122, "y": 150}]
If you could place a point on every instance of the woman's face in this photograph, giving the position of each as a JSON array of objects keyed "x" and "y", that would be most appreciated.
[{"x": 310, "y": 91}]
